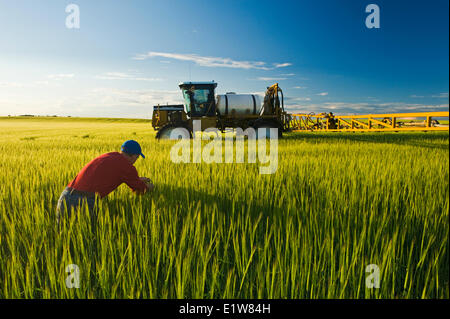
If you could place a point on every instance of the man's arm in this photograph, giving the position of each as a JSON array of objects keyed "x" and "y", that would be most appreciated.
[{"x": 132, "y": 179}]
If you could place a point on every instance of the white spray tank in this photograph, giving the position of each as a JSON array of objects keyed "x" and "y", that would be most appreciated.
[{"x": 239, "y": 105}]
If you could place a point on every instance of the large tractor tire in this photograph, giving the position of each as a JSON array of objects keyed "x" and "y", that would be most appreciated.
[
  {"x": 165, "y": 132},
  {"x": 267, "y": 125}
]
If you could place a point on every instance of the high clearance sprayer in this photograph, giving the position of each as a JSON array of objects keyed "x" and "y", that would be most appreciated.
[{"x": 233, "y": 110}]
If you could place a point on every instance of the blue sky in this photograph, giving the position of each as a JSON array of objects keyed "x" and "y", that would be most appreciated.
[{"x": 130, "y": 55}]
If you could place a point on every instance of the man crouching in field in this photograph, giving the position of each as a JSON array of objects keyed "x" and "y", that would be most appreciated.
[{"x": 100, "y": 177}]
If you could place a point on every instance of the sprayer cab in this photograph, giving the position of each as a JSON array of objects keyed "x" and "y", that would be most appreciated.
[{"x": 199, "y": 98}]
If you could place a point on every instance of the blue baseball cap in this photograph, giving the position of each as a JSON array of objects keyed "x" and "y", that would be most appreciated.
[{"x": 132, "y": 147}]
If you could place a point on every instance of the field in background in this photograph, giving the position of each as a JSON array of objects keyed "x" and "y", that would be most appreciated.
[{"x": 337, "y": 203}]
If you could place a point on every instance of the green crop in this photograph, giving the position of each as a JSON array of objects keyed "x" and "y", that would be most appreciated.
[{"x": 337, "y": 203}]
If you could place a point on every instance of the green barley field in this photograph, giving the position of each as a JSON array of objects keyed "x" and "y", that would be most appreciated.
[{"x": 336, "y": 204}]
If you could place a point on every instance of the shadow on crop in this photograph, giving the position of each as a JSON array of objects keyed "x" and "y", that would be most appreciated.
[
  {"x": 176, "y": 195},
  {"x": 170, "y": 198}
]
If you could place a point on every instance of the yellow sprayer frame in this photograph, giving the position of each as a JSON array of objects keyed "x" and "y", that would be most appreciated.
[{"x": 367, "y": 123}]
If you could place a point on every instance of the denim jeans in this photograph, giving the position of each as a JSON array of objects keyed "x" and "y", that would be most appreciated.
[{"x": 68, "y": 202}]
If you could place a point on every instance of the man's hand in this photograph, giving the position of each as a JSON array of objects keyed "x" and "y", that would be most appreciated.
[
  {"x": 145, "y": 179},
  {"x": 148, "y": 182}
]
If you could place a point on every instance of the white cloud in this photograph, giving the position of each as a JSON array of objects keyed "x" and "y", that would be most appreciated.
[
  {"x": 262, "y": 78},
  {"x": 28, "y": 85},
  {"x": 209, "y": 61},
  {"x": 323, "y": 94},
  {"x": 441, "y": 95},
  {"x": 124, "y": 76},
  {"x": 282, "y": 65},
  {"x": 108, "y": 96},
  {"x": 61, "y": 76},
  {"x": 97, "y": 102},
  {"x": 50, "y": 80},
  {"x": 45, "y": 83},
  {"x": 299, "y": 87},
  {"x": 11, "y": 85},
  {"x": 114, "y": 76}
]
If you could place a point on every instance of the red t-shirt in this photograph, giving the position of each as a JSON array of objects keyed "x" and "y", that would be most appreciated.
[{"x": 105, "y": 173}]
